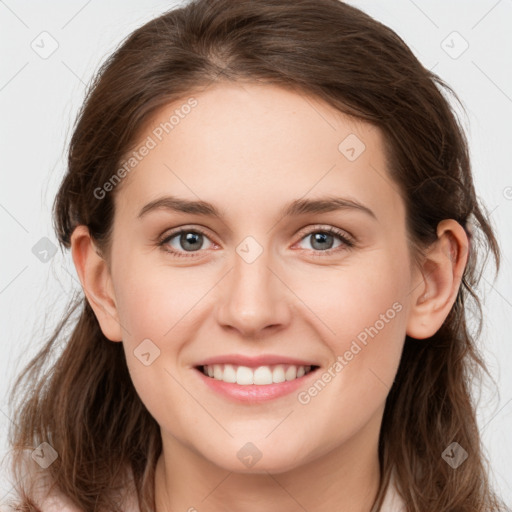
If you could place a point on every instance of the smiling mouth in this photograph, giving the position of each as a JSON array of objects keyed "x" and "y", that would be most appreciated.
[{"x": 259, "y": 376}]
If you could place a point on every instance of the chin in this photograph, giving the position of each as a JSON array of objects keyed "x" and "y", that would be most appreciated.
[{"x": 258, "y": 458}]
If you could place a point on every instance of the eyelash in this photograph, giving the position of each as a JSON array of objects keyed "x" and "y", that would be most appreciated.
[{"x": 347, "y": 241}]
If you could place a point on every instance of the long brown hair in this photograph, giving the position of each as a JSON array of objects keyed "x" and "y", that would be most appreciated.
[{"x": 81, "y": 401}]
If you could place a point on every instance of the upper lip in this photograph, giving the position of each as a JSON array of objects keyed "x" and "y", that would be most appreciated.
[{"x": 255, "y": 361}]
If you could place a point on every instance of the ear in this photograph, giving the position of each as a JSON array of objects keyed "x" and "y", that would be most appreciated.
[
  {"x": 96, "y": 282},
  {"x": 440, "y": 278}
]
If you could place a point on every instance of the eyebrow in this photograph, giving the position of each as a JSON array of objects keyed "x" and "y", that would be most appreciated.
[{"x": 294, "y": 208}]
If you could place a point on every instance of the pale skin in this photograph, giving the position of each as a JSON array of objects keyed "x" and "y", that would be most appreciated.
[{"x": 250, "y": 150}]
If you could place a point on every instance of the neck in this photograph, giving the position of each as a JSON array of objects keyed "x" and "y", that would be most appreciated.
[{"x": 346, "y": 478}]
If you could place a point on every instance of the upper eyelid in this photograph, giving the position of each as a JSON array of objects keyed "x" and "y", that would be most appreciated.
[
  {"x": 325, "y": 227},
  {"x": 182, "y": 229}
]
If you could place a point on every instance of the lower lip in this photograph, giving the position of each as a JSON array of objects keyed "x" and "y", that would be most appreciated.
[{"x": 253, "y": 392}]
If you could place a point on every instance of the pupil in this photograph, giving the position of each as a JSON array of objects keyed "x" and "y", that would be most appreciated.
[
  {"x": 190, "y": 238},
  {"x": 321, "y": 237}
]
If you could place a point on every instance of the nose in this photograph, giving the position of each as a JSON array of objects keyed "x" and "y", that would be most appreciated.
[{"x": 253, "y": 298}]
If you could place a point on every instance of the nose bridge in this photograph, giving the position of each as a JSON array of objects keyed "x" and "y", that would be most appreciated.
[{"x": 254, "y": 298}]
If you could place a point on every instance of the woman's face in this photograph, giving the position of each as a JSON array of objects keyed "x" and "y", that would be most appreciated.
[{"x": 306, "y": 264}]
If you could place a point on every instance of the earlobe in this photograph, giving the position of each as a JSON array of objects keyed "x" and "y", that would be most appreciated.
[
  {"x": 439, "y": 281},
  {"x": 96, "y": 282}
]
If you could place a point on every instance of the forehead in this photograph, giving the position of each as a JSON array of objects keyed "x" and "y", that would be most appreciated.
[{"x": 253, "y": 144}]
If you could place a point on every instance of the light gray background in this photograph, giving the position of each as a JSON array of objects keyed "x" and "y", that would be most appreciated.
[{"x": 39, "y": 98}]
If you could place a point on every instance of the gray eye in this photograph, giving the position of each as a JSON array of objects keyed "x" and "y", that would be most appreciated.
[
  {"x": 188, "y": 241},
  {"x": 322, "y": 241}
]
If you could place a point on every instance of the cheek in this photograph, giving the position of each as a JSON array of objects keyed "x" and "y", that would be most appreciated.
[
  {"x": 153, "y": 310},
  {"x": 364, "y": 308},
  {"x": 152, "y": 299},
  {"x": 372, "y": 307},
  {"x": 359, "y": 295}
]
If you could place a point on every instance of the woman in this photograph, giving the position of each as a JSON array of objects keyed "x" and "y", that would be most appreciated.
[{"x": 312, "y": 352}]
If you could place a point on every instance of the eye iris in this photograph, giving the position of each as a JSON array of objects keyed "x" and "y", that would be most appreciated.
[
  {"x": 191, "y": 238},
  {"x": 321, "y": 237}
]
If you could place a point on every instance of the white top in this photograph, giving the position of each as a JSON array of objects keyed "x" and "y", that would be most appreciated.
[{"x": 392, "y": 500}]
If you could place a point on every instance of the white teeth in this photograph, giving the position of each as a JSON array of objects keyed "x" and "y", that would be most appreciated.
[
  {"x": 217, "y": 372},
  {"x": 278, "y": 374},
  {"x": 229, "y": 374},
  {"x": 291, "y": 373},
  {"x": 244, "y": 376},
  {"x": 263, "y": 375}
]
